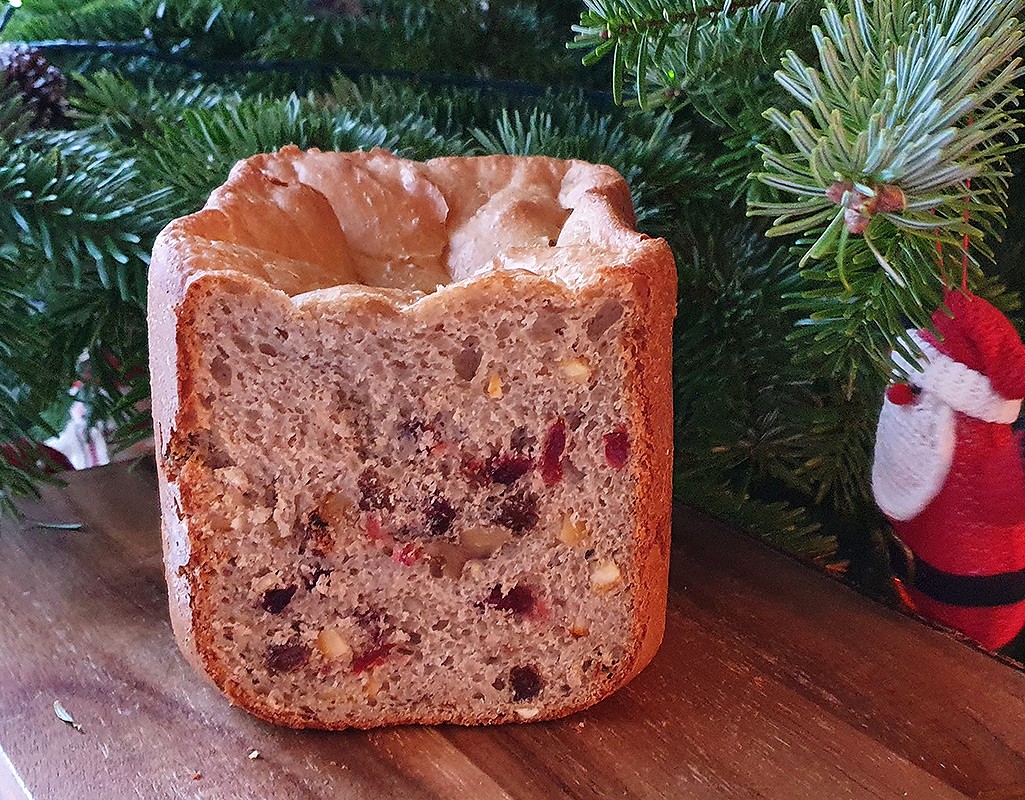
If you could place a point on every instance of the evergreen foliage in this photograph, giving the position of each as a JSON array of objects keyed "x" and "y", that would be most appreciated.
[
  {"x": 879, "y": 140},
  {"x": 898, "y": 161},
  {"x": 780, "y": 343}
]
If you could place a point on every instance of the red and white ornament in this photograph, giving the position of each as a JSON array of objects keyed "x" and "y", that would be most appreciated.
[{"x": 949, "y": 473}]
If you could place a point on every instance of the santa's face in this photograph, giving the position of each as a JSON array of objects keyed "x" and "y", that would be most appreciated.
[{"x": 915, "y": 438}]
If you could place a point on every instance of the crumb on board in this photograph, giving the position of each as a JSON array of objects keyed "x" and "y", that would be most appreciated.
[{"x": 65, "y": 716}]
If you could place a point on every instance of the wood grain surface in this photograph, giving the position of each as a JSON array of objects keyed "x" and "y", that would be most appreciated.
[{"x": 774, "y": 682}]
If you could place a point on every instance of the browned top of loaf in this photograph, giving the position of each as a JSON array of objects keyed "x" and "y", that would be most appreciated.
[{"x": 303, "y": 221}]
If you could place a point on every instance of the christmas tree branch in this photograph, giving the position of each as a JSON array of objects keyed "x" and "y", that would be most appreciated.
[
  {"x": 900, "y": 151},
  {"x": 661, "y": 49},
  {"x": 619, "y": 18}
]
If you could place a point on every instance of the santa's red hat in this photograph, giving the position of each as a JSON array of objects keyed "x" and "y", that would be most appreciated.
[
  {"x": 976, "y": 334},
  {"x": 976, "y": 363}
]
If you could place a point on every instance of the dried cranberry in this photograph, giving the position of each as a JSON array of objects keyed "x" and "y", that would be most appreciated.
[
  {"x": 373, "y": 493},
  {"x": 439, "y": 514},
  {"x": 407, "y": 555},
  {"x": 551, "y": 453},
  {"x": 275, "y": 600},
  {"x": 519, "y": 600},
  {"x": 617, "y": 448},
  {"x": 371, "y": 658},
  {"x": 525, "y": 683},
  {"x": 508, "y": 468},
  {"x": 476, "y": 471},
  {"x": 286, "y": 657},
  {"x": 373, "y": 529},
  {"x": 518, "y": 513}
]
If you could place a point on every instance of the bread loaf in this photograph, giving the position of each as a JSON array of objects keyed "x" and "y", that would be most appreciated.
[{"x": 413, "y": 427}]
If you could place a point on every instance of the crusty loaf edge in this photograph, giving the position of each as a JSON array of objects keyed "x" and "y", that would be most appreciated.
[{"x": 177, "y": 282}]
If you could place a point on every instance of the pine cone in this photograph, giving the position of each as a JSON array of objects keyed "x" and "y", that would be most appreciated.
[{"x": 41, "y": 85}]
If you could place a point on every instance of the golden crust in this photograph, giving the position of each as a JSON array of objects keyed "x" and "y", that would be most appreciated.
[{"x": 204, "y": 254}]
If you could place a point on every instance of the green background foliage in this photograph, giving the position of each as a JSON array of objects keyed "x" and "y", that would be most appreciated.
[{"x": 778, "y": 373}]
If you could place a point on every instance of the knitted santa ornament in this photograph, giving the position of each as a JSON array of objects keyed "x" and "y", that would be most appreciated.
[{"x": 949, "y": 473}]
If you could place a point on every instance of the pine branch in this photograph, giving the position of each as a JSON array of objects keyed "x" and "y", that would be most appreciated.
[
  {"x": 715, "y": 57},
  {"x": 612, "y": 19},
  {"x": 902, "y": 149},
  {"x": 73, "y": 19},
  {"x": 73, "y": 213},
  {"x": 195, "y": 157},
  {"x": 780, "y": 524},
  {"x": 659, "y": 47}
]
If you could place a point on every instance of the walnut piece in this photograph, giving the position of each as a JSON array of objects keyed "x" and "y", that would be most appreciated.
[
  {"x": 333, "y": 646},
  {"x": 576, "y": 370},
  {"x": 605, "y": 576}
]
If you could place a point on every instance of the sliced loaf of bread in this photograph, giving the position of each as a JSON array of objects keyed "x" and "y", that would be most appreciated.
[{"x": 413, "y": 427}]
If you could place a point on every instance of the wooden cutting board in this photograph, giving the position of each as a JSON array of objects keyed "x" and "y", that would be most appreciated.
[{"x": 774, "y": 682}]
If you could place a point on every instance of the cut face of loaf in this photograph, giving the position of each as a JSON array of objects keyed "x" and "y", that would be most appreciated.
[{"x": 414, "y": 435}]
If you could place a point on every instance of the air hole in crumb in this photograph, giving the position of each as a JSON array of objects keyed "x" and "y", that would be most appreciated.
[
  {"x": 220, "y": 370},
  {"x": 503, "y": 330},
  {"x": 411, "y": 428},
  {"x": 467, "y": 360},
  {"x": 548, "y": 325},
  {"x": 216, "y": 457},
  {"x": 606, "y": 317},
  {"x": 521, "y": 439},
  {"x": 440, "y": 625},
  {"x": 281, "y": 333},
  {"x": 267, "y": 349}
]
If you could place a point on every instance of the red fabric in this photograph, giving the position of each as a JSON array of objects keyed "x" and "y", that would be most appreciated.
[
  {"x": 900, "y": 394},
  {"x": 975, "y": 526},
  {"x": 979, "y": 336}
]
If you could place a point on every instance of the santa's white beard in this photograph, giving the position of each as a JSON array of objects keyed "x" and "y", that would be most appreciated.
[{"x": 913, "y": 453}]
